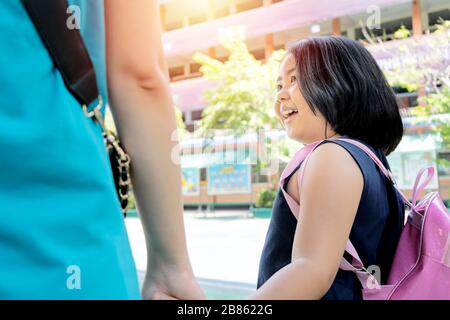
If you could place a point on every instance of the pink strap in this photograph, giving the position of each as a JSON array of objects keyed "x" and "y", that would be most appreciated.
[
  {"x": 380, "y": 165},
  {"x": 290, "y": 168},
  {"x": 419, "y": 187},
  {"x": 357, "y": 267},
  {"x": 369, "y": 152}
]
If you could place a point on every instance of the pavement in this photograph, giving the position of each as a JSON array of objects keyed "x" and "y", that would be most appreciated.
[{"x": 224, "y": 248}]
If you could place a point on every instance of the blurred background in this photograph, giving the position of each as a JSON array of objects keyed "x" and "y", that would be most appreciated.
[{"x": 223, "y": 61}]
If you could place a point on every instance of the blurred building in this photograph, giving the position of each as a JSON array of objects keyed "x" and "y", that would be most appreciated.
[{"x": 193, "y": 25}]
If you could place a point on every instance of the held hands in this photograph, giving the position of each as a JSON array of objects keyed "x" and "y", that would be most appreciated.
[
  {"x": 162, "y": 296},
  {"x": 172, "y": 285}
]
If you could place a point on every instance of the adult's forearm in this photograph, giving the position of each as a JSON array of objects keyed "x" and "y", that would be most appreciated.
[{"x": 144, "y": 115}]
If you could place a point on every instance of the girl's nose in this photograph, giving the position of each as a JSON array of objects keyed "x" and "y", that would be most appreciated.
[
  {"x": 282, "y": 95},
  {"x": 279, "y": 98}
]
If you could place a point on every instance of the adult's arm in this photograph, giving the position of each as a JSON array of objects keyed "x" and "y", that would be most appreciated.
[{"x": 143, "y": 111}]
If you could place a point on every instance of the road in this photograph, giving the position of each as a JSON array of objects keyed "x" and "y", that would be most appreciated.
[{"x": 224, "y": 248}]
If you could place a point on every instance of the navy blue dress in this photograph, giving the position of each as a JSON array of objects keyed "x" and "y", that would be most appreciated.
[{"x": 375, "y": 231}]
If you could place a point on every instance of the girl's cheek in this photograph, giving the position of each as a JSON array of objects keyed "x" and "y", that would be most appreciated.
[{"x": 295, "y": 95}]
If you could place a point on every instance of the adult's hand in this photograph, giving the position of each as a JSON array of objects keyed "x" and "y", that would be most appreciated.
[{"x": 170, "y": 284}]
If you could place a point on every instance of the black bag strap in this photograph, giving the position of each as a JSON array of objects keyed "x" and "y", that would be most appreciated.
[{"x": 65, "y": 46}]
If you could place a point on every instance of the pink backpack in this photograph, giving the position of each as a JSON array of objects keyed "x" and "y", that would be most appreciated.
[{"x": 421, "y": 265}]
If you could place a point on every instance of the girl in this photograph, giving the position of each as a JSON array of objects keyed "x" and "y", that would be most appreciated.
[{"x": 331, "y": 87}]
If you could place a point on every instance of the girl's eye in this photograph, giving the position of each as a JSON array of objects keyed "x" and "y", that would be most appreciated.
[
  {"x": 293, "y": 79},
  {"x": 279, "y": 87}
]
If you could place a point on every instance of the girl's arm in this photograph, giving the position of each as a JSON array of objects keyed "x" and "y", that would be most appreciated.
[
  {"x": 331, "y": 190},
  {"x": 142, "y": 106}
]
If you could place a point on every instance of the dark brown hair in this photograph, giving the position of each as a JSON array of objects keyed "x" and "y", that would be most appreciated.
[{"x": 341, "y": 79}]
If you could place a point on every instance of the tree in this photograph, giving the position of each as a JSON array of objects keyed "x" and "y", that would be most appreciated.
[
  {"x": 242, "y": 99},
  {"x": 438, "y": 103},
  {"x": 402, "y": 33},
  {"x": 414, "y": 74},
  {"x": 182, "y": 132},
  {"x": 424, "y": 66}
]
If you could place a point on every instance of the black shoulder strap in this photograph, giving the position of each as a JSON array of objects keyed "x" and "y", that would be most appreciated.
[{"x": 65, "y": 46}]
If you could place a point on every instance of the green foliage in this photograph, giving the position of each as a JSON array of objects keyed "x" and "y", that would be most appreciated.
[
  {"x": 182, "y": 132},
  {"x": 409, "y": 78},
  {"x": 412, "y": 75},
  {"x": 131, "y": 201},
  {"x": 266, "y": 198},
  {"x": 437, "y": 103},
  {"x": 179, "y": 118},
  {"x": 442, "y": 26},
  {"x": 243, "y": 98},
  {"x": 402, "y": 33}
]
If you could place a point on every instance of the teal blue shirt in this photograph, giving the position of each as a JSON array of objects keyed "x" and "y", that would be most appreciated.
[{"x": 62, "y": 235}]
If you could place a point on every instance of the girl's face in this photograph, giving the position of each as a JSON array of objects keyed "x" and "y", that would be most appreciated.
[{"x": 300, "y": 122}]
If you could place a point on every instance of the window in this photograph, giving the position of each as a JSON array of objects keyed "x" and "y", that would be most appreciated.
[
  {"x": 406, "y": 99},
  {"x": 387, "y": 29},
  {"x": 194, "y": 67},
  {"x": 203, "y": 174},
  {"x": 176, "y": 71},
  {"x": 259, "y": 54},
  {"x": 196, "y": 115}
]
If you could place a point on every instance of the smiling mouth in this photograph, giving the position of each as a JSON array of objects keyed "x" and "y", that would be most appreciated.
[{"x": 288, "y": 114}]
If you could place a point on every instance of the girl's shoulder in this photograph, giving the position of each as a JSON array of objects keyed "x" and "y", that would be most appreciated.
[{"x": 329, "y": 159}]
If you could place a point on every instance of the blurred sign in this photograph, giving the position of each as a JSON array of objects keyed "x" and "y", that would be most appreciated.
[
  {"x": 229, "y": 179},
  {"x": 191, "y": 181},
  {"x": 406, "y": 165}
]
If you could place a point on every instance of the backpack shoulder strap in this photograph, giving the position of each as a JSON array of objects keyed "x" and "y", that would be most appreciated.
[
  {"x": 293, "y": 165},
  {"x": 372, "y": 156}
]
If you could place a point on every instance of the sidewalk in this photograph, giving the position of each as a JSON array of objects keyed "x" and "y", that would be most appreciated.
[{"x": 224, "y": 248}]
